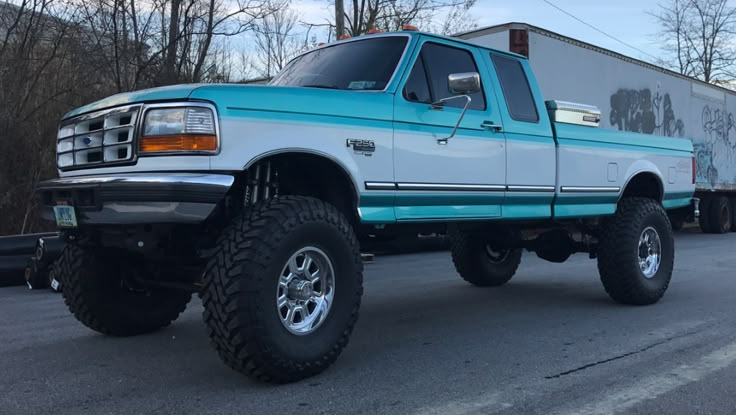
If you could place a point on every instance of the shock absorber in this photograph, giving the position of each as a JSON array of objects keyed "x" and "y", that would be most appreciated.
[
  {"x": 256, "y": 183},
  {"x": 262, "y": 183},
  {"x": 267, "y": 181}
]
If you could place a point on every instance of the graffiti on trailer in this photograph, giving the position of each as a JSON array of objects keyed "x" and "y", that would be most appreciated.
[
  {"x": 641, "y": 112},
  {"x": 718, "y": 146},
  {"x": 705, "y": 171},
  {"x": 718, "y": 125}
]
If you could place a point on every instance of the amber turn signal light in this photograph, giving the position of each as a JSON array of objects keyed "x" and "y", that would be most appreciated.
[{"x": 177, "y": 143}]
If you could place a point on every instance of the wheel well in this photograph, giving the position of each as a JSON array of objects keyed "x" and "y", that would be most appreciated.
[
  {"x": 644, "y": 185},
  {"x": 304, "y": 174}
]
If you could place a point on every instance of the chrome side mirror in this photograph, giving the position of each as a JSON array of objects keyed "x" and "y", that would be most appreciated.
[
  {"x": 460, "y": 85},
  {"x": 463, "y": 83}
]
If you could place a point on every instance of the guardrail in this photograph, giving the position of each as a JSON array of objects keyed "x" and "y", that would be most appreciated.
[{"x": 30, "y": 259}]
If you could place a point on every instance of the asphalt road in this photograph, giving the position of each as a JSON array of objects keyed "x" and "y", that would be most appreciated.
[{"x": 550, "y": 342}]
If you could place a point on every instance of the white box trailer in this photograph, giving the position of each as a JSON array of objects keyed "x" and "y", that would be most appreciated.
[{"x": 633, "y": 95}]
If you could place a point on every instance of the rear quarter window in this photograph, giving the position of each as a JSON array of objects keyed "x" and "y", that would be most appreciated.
[{"x": 516, "y": 90}]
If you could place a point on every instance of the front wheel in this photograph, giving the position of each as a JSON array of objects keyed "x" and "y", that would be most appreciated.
[
  {"x": 102, "y": 291},
  {"x": 636, "y": 252},
  {"x": 479, "y": 263},
  {"x": 283, "y": 288}
]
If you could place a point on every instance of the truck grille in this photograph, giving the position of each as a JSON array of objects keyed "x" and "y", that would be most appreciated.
[{"x": 100, "y": 138}]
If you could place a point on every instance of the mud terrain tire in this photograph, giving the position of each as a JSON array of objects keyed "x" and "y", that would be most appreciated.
[
  {"x": 93, "y": 290},
  {"x": 480, "y": 265},
  {"x": 243, "y": 293},
  {"x": 629, "y": 271}
]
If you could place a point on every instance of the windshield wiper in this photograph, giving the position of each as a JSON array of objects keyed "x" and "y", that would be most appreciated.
[{"x": 321, "y": 86}]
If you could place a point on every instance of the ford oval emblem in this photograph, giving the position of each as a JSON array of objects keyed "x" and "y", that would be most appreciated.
[{"x": 87, "y": 141}]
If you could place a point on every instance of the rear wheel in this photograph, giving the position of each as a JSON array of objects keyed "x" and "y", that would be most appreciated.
[
  {"x": 721, "y": 215},
  {"x": 636, "y": 252},
  {"x": 479, "y": 263},
  {"x": 283, "y": 289},
  {"x": 102, "y": 293}
]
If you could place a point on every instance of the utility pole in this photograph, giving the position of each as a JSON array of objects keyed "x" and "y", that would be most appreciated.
[{"x": 339, "y": 19}]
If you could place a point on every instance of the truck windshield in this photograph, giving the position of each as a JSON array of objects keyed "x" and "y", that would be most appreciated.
[{"x": 358, "y": 65}]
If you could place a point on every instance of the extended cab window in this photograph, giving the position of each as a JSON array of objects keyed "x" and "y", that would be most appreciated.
[
  {"x": 427, "y": 82},
  {"x": 358, "y": 65},
  {"x": 516, "y": 89}
]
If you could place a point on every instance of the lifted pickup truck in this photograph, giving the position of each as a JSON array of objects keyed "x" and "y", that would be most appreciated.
[{"x": 256, "y": 196}]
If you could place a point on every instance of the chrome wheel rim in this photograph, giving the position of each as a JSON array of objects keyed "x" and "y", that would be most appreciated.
[
  {"x": 497, "y": 257},
  {"x": 305, "y": 291},
  {"x": 650, "y": 252}
]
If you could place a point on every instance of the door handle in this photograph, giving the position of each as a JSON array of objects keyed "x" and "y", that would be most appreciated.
[{"x": 489, "y": 125}]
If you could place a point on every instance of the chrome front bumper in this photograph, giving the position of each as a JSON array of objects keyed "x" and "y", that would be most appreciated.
[{"x": 136, "y": 198}]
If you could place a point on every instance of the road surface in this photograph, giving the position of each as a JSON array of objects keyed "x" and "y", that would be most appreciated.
[{"x": 550, "y": 342}]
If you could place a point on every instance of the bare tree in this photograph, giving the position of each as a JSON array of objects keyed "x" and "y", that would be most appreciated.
[
  {"x": 217, "y": 19},
  {"x": 361, "y": 16},
  {"x": 339, "y": 18},
  {"x": 169, "y": 41},
  {"x": 674, "y": 25},
  {"x": 700, "y": 37},
  {"x": 457, "y": 19},
  {"x": 276, "y": 41},
  {"x": 169, "y": 69},
  {"x": 36, "y": 49}
]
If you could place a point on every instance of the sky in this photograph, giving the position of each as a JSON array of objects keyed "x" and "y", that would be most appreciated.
[{"x": 625, "y": 20}]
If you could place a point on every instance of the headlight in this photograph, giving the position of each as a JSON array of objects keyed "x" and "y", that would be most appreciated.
[{"x": 181, "y": 129}]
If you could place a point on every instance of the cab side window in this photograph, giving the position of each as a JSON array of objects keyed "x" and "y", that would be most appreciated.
[
  {"x": 516, "y": 90},
  {"x": 427, "y": 81}
]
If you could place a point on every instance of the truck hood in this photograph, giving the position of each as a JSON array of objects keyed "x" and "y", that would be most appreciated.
[
  {"x": 163, "y": 93},
  {"x": 233, "y": 99},
  {"x": 236, "y": 100}
]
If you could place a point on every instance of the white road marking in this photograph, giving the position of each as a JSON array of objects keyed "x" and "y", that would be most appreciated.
[
  {"x": 657, "y": 385},
  {"x": 490, "y": 400},
  {"x": 504, "y": 398}
]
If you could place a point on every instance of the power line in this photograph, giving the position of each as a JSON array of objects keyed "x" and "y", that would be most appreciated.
[{"x": 599, "y": 30}]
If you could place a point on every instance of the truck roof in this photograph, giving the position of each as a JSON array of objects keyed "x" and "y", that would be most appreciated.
[
  {"x": 463, "y": 41},
  {"x": 544, "y": 32},
  {"x": 420, "y": 33}
]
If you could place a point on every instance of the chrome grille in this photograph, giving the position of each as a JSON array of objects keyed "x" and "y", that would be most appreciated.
[{"x": 100, "y": 138}]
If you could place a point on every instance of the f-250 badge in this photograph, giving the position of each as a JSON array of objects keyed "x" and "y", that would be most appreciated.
[{"x": 362, "y": 147}]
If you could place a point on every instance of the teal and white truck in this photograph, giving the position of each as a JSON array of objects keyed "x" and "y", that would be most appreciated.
[{"x": 253, "y": 196}]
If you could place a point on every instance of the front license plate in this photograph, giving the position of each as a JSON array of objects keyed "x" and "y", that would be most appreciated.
[{"x": 65, "y": 216}]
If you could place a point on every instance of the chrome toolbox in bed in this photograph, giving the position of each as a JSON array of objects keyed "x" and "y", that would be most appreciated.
[{"x": 573, "y": 113}]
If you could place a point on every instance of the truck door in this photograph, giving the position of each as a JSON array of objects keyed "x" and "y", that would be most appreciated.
[
  {"x": 530, "y": 147},
  {"x": 464, "y": 178}
]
